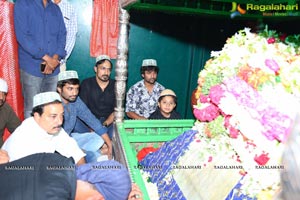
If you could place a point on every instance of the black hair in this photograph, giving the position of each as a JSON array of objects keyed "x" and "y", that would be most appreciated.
[
  {"x": 149, "y": 68},
  {"x": 40, "y": 108},
  {"x": 71, "y": 81}
]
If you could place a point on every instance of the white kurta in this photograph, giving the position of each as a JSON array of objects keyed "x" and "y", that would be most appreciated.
[{"x": 29, "y": 138}]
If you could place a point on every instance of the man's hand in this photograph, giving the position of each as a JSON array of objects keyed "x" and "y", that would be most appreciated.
[
  {"x": 51, "y": 63},
  {"x": 134, "y": 115},
  {"x": 108, "y": 144},
  {"x": 4, "y": 158},
  {"x": 135, "y": 192},
  {"x": 109, "y": 120}
]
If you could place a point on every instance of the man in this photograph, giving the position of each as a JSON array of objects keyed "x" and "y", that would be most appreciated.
[
  {"x": 98, "y": 93},
  {"x": 68, "y": 88},
  {"x": 52, "y": 176},
  {"x": 70, "y": 19},
  {"x": 41, "y": 36},
  {"x": 42, "y": 133},
  {"x": 142, "y": 97},
  {"x": 8, "y": 118}
]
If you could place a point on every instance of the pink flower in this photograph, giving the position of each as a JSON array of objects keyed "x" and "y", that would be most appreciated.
[
  {"x": 233, "y": 132},
  {"x": 203, "y": 98},
  {"x": 207, "y": 114},
  {"x": 216, "y": 93},
  {"x": 271, "y": 40},
  {"x": 262, "y": 159},
  {"x": 272, "y": 64},
  {"x": 227, "y": 120}
]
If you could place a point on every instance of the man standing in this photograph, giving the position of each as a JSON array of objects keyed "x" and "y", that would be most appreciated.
[
  {"x": 70, "y": 19},
  {"x": 98, "y": 93},
  {"x": 42, "y": 133},
  {"x": 68, "y": 88},
  {"x": 142, "y": 97},
  {"x": 41, "y": 36},
  {"x": 8, "y": 118}
]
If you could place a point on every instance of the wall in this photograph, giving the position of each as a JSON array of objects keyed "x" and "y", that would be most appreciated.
[{"x": 180, "y": 43}]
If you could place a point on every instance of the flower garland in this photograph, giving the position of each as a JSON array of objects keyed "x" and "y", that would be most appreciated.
[{"x": 249, "y": 92}]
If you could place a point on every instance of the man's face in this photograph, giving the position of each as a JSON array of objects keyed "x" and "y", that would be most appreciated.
[
  {"x": 56, "y": 1},
  {"x": 2, "y": 98},
  {"x": 150, "y": 76},
  {"x": 52, "y": 118},
  {"x": 103, "y": 71},
  {"x": 69, "y": 92}
]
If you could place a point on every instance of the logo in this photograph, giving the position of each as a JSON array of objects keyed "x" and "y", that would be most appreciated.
[
  {"x": 265, "y": 9},
  {"x": 236, "y": 10}
]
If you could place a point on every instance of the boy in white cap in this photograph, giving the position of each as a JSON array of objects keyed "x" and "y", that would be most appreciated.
[
  {"x": 141, "y": 98},
  {"x": 98, "y": 93},
  {"x": 8, "y": 117},
  {"x": 74, "y": 109},
  {"x": 167, "y": 102},
  {"x": 43, "y": 133}
]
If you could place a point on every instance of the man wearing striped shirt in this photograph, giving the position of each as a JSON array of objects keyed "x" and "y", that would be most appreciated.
[{"x": 70, "y": 19}]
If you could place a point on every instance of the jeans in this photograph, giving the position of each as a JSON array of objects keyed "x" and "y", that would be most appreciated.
[
  {"x": 90, "y": 143},
  {"x": 81, "y": 127},
  {"x": 32, "y": 85}
]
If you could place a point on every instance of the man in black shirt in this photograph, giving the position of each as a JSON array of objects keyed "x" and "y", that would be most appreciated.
[{"x": 98, "y": 93}]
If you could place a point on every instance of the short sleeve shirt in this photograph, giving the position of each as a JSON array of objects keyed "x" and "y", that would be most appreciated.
[{"x": 139, "y": 100}]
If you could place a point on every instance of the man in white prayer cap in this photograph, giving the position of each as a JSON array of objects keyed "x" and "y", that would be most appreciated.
[
  {"x": 43, "y": 132},
  {"x": 142, "y": 97},
  {"x": 8, "y": 117}
]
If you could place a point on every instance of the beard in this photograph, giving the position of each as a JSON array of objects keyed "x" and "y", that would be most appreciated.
[
  {"x": 151, "y": 80},
  {"x": 104, "y": 78},
  {"x": 69, "y": 98}
]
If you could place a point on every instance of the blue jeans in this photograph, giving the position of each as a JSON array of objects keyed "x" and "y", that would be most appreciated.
[
  {"x": 90, "y": 143},
  {"x": 32, "y": 85},
  {"x": 81, "y": 127}
]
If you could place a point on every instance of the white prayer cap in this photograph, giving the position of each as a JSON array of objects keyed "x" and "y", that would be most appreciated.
[
  {"x": 149, "y": 62},
  {"x": 44, "y": 98},
  {"x": 3, "y": 85},
  {"x": 68, "y": 74},
  {"x": 102, "y": 57}
]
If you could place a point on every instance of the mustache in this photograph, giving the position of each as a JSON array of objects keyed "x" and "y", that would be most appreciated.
[{"x": 59, "y": 126}]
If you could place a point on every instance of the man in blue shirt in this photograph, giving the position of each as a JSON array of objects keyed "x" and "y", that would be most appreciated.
[
  {"x": 41, "y": 36},
  {"x": 74, "y": 109}
]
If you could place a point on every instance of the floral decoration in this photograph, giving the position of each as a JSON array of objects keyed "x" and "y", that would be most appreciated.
[{"x": 249, "y": 92}]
